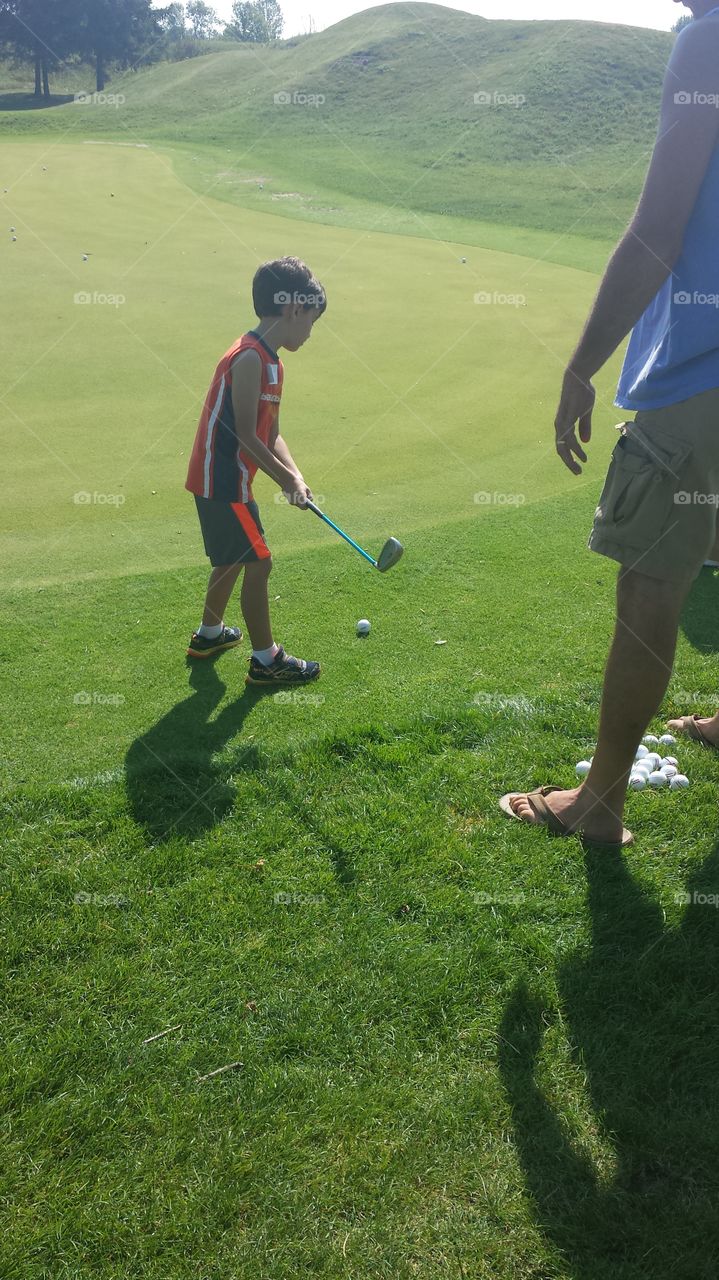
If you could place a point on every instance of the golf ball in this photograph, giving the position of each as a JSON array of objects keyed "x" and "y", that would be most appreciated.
[
  {"x": 363, "y": 627},
  {"x": 637, "y": 782},
  {"x": 670, "y": 770},
  {"x": 667, "y": 739},
  {"x": 642, "y": 752},
  {"x": 671, "y": 760},
  {"x": 654, "y": 759},
  {"x": 583, "y": 768},
  {"x": 650, "y": 739},
  {"x": 658, "y": 779},
  {"x": 678, "y": 782}
]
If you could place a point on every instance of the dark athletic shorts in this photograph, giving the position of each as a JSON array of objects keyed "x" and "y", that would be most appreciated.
[{"x": 232, "y": 532}]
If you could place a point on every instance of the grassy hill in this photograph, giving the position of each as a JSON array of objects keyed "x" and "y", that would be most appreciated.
[{"x": 395, "y": 121}]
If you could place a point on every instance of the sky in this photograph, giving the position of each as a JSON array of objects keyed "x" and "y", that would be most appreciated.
[{"x": 641, "y": 13}]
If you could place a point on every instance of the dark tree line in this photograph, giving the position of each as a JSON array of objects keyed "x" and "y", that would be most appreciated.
[{"x": 44, "y": 33}]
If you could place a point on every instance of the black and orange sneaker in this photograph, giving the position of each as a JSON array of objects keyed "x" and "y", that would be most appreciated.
[
  {"x": 283, "y": 670},
  {"x": 199, "y": 647}
]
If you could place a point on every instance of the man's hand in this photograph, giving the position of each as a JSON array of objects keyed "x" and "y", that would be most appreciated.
[
  {"x": 575, "y": 406},
  {"x": 300, "y": 495}
]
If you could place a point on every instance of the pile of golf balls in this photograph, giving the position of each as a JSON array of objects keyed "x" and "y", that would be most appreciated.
[
  {"x": 655, "y": 770},
  {"x": 650, "y": 768}
]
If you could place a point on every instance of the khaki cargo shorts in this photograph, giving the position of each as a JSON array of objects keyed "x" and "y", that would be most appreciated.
[{"x": 659, "y": 508}]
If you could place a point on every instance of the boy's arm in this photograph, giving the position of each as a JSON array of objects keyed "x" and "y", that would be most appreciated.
[
  {"x": 246, "y": 384},
  {"x": 280, "y": 448}
]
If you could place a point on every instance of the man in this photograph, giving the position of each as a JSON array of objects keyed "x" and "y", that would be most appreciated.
[{"x": 657, "y": 514}]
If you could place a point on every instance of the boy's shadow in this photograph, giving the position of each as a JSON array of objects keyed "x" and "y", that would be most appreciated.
[
  {"x": 700, "y": 618},
  {"x": 173, "y": 786},
  {"x": 640, "y": 1010}
]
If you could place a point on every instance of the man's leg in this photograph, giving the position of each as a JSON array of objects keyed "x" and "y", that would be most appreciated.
[
  {"x": 256, "y": 605},
  {"x": 220, "y": 588},
  {"x": 636, "y": 679}
]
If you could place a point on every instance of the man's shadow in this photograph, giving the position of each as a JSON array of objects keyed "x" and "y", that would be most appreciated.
[
  {"x": 640, "y": 1008},
  {"x": 700, "y": 618},
  {"x": 173, "y": 785}
]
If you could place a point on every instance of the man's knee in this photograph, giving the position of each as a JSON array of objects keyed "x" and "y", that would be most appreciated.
[{"x": 638, "y": 592}]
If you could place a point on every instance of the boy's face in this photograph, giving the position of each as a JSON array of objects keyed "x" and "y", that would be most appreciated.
[{"x": 299, "y": 326}]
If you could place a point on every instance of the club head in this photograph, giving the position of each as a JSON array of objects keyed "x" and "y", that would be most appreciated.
[{"x": 391, "y": 552}]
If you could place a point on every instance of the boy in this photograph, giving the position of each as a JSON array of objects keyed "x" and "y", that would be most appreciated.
[{"x": 239, "y": 433}]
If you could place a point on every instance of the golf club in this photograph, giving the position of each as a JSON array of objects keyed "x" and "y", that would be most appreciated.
[{"x": 389, "y": 555}]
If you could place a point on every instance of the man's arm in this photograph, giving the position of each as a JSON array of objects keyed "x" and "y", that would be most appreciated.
[
  {"x": 246, "y": 386},
  {"x": 646, "y": 256}
]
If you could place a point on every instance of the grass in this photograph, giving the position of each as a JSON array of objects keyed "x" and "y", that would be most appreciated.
[
  {"x": 397, "y": 127},
  {"x": 465, "y": 1049}
]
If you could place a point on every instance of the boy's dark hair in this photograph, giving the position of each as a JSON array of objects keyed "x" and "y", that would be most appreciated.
[{"x": 283, "y": 282}]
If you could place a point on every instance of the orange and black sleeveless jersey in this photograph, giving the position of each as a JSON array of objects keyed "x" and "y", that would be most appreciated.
[{"x": 218, "y": 468}]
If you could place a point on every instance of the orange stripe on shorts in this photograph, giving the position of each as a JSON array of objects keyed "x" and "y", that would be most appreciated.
[{"x": 257, "y": 542}]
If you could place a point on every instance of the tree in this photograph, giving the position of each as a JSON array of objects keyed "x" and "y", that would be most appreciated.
[
  {"x": 171, "y": 21},
  {"x": 202, "y": 19},
  {"x": 35, "y": 31},
  {"x": 256, "y": 22},
  {"x": 682, "y": 22},
  {"x": 116, "y": 31}
]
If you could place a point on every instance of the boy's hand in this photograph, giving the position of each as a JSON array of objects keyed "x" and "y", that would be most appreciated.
[{"x": 300, "y": 495}]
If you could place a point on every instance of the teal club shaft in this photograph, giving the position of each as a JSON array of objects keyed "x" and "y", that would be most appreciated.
[{"x": 342, "y": 534}]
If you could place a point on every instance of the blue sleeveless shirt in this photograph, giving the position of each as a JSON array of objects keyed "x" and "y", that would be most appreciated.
[{"x": 673, "y": 353}]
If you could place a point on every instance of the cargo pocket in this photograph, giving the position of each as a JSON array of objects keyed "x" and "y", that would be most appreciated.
[{"x": 643, "y": 488}]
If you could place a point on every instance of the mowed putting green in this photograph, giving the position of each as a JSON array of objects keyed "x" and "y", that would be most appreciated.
[
  {"x": 423, "y": 403},
  {"x": 447, "y": 1055},
  {"x": 399, "y": 408}
]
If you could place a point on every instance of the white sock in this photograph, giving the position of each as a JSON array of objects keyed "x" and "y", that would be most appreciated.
[
  {"x": 210, "y": 633},
  {"x": 266, "y": 656}
]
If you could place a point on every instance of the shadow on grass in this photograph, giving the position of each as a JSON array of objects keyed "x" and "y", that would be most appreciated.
[
  {"x": 28, "y": 101},
  {"x": 175, "y": 788},
  {"x": 700, "y": 619},
  {"x": 172, "y": 784},
  {"x": 640, "y": 1008}
]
